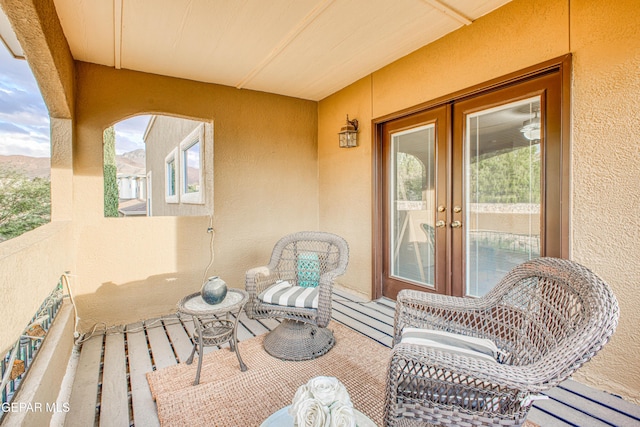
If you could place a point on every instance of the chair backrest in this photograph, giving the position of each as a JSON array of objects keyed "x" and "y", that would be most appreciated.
[
  {"x": 303, "y": 257},
  {"x": 552, "y": 312}
]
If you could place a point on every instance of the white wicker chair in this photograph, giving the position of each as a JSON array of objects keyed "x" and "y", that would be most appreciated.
[
  {"x": 302, "y": 334},
  {"x": 547, "y": 316}
]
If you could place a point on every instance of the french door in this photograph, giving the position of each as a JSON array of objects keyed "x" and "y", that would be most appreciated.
[{"x": 472, "y": 187}]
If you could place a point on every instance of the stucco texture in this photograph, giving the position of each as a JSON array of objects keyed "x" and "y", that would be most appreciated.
[
  {"x": 265, "y": 170},
  {"x": 604, "y": 40},
  {"x": 345, "y": 188},
  {"x": 606, "y": 172}
]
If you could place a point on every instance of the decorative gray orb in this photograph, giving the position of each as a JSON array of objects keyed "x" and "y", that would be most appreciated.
[{"x": 214, "y": 290}]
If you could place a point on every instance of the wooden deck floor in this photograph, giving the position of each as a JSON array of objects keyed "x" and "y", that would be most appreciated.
[{"x": 110, "y": 387}]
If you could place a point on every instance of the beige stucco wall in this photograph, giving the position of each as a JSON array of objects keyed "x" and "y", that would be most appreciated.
[
  {"x": 164, "y": 135},
  {"x": 604, "y": 38},
  {"x": 31, "y": 265},
  {"x": 30, "y": 268},
  {"x": 345, "y": 184},
  {"x": 265, "y": 185}
]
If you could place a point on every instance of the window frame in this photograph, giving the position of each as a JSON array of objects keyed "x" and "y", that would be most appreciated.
[
  {"x": 172, "y": 198},
  {"x": 195, "y": 137}
]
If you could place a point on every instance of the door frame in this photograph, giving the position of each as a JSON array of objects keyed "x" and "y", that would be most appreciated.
[{"x": 562, "y": 65}]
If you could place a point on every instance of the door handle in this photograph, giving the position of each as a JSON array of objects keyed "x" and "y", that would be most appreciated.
[
  {"x": 456, "y": 224},
  {"x": 440, "y": 224}
]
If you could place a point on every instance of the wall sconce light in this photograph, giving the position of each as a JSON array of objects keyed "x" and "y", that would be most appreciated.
[
  {"x": 531, "y": 128},
  {"x": 349, "y": 134}
]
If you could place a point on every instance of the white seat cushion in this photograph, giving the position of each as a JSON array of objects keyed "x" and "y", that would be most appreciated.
[
  {"x": 285, "y": 294},
  {"x": 449, "y": 342}
]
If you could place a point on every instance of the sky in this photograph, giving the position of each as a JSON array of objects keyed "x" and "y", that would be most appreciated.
[
  {"x": 129, "y": 133},
  {"x": 24, "y": 119}
]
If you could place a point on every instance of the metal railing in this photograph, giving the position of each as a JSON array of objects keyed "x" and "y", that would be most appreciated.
[{"x": 16, "y": 363}]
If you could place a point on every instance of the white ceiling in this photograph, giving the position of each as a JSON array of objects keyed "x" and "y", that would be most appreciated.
[
  {"x": 303, "y": 48},
  {"x": 8, "y": 37}
]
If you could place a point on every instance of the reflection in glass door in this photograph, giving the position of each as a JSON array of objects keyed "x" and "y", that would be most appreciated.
[
  {"x": 502, "y": 159},
  {"x": 412, "y": 205}
]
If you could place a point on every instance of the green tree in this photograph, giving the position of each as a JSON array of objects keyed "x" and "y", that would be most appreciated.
[
  {"x": 25, "y": 203},
  {"x": 110, "y": 174},
  {"x": 511, "y": 177},
  {"x": 411, "y": 177}
]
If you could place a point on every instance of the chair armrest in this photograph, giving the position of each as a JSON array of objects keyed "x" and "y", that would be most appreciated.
[
  {"x": 325, "y": 289},
  {"x": 258, "y": 279},
  {"x": 434, "y": 311}
]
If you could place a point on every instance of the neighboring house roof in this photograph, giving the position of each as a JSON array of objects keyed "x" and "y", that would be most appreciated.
[
  {"x": 152, "y": 120},
  {"x": 132, "y": 207}
]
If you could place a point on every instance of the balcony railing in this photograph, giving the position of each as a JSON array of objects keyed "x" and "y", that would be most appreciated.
[{"x": 18, "y": 360}]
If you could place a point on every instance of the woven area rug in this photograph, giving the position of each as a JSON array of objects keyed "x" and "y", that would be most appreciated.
[{"x": 228, "y": 397}]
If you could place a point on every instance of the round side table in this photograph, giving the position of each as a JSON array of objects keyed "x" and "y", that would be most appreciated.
[{"x": 210, "y": 328}]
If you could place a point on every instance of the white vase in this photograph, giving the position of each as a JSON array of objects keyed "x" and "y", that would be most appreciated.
[{"x": 214, "y": 290}]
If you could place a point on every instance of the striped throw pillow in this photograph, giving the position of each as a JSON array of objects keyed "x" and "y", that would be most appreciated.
[
  {"x": 449, "y": 342},
  {"x": 285, "y": 294}
]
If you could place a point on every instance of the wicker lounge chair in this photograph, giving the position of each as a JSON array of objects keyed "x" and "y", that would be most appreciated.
[
  {"x": 307, "y": 259},
  {"x": 547, "y": 317}
]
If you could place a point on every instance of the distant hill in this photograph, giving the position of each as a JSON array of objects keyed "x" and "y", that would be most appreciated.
[
  {"x": 33, "y": 167},
  {"x": 131, "y": 163}
]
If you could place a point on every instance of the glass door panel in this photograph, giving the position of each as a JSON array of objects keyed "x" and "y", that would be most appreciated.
[
  {"x": 467, "y": 189},
  {"x": 502, "y": 175},
  {"x": 412, "y": 205}
]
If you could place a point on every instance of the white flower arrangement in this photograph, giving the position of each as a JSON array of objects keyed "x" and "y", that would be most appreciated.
[{"x": 322, "y": 402}]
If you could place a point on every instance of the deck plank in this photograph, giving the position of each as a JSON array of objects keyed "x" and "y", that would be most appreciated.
[
  {"x": 593, "y": 409},
  {"x": 364, "y": 329},
  {"x": 115, "y": 402},
  {"x": 381, "y": 325},
  {"x": 567, "y": 414},
  {"x": 345, "y": 294},
  {"x": 253, "y": 325},
  {"x": 603, "y": 398},
  {"x": 180, "y": 340},
  {"x": 382, "y": 308},
  {"x": 82, "y": 403},
  {"x": 545, "y": 420},
  {"x": 386, "y": 302},
  {"x": 371, "y": 309},
  {"x": 163, "y": 355},
  {"x": 243, "y": 333},
  {"x": 144, "y": 408},
  {"x": 270, "y": 323}
]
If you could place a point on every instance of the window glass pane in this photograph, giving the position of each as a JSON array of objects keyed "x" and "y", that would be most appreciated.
[
  {"x": 502, "y": 192},
  {"x": 192, "y": 168},
  {"x": 171, "y": 177},
  {"x": 413, "y": 205}
]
